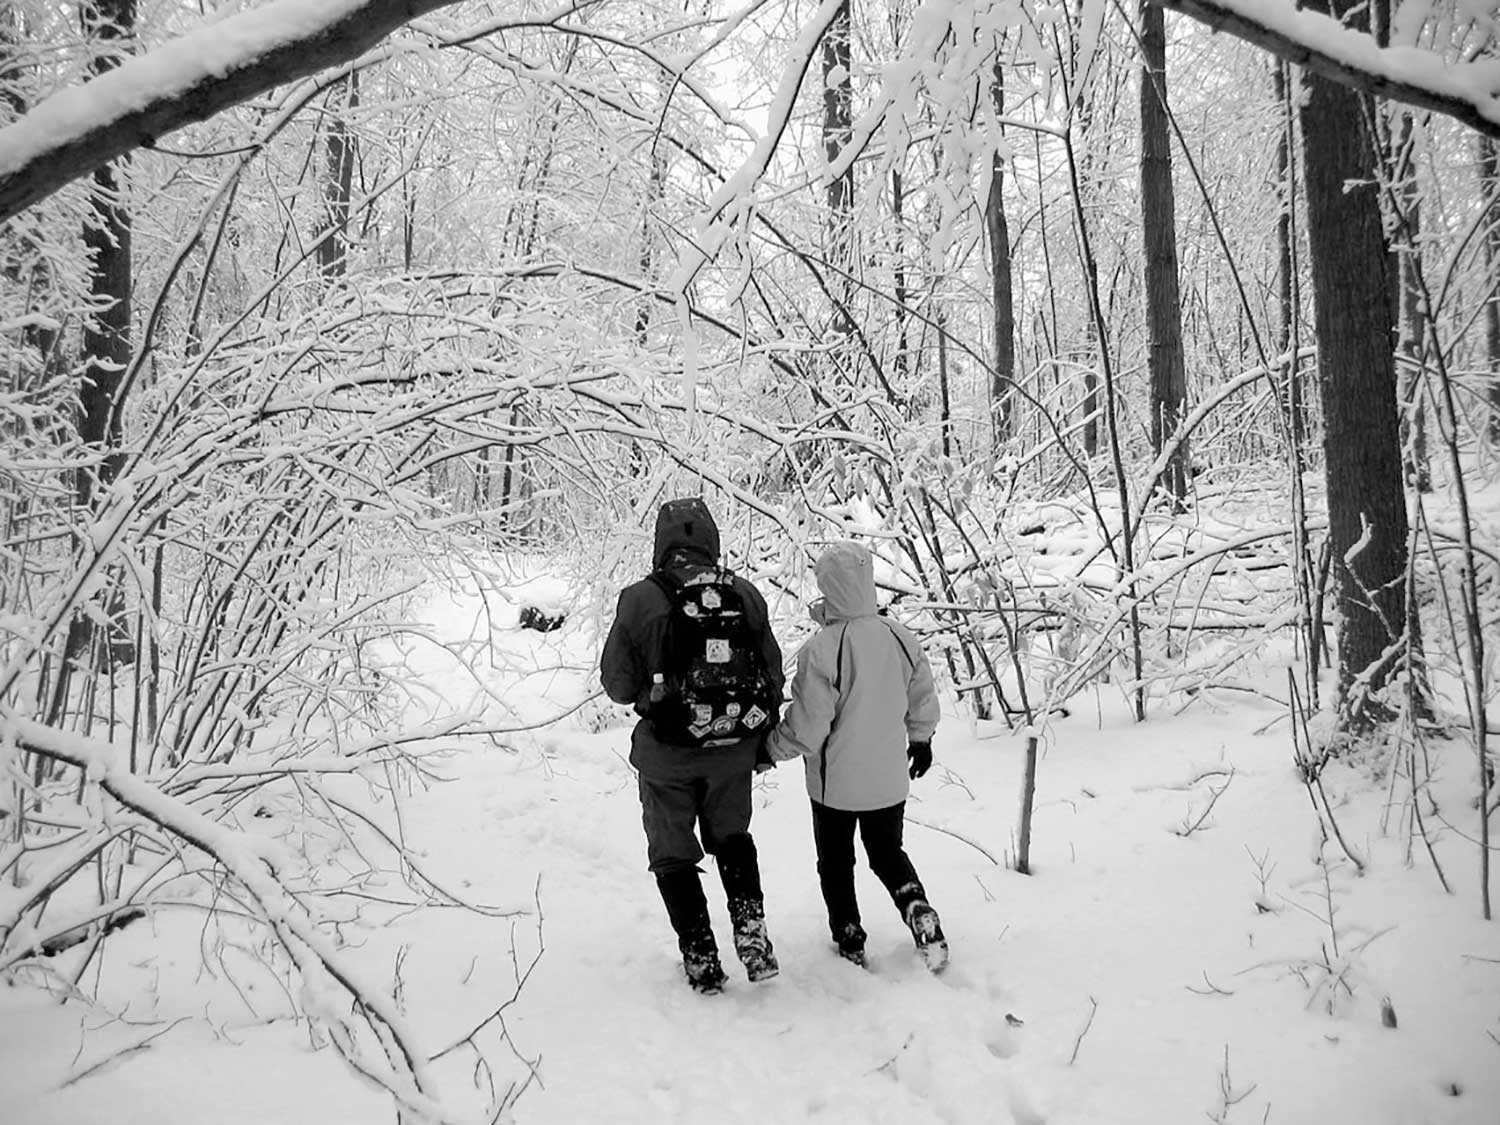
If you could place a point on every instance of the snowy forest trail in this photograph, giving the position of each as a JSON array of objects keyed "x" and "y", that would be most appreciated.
[
  {"x": 1166, "y": 961},
  {"x": 1129, "y": 980}
]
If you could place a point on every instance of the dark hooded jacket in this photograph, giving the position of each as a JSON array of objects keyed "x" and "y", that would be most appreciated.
[{"x": 687, "y": 541}]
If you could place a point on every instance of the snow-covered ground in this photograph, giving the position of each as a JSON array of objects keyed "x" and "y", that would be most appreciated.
[{"x": 1143, "y": 973}]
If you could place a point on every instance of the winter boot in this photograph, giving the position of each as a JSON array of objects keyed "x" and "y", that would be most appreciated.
[
  {"x": 927, "y": 932},
  {"x": 704, "y": 973},
  {"x": 682, "y": 892},
  {"x": 850, "y": 939},
  {"x": 739, "y": 868}
]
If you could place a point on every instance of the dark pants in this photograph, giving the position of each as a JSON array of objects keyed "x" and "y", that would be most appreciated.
[
  {"x": 712, "y": 803},
  {"x": 880, "y": 829},
  {"x": 677, "y": 810}
]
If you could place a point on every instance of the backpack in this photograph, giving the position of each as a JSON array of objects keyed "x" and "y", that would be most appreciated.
[{"x": 717, "y": 689}]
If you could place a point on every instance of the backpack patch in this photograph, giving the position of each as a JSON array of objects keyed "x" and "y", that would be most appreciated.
[{"x": 717, "y": 687}]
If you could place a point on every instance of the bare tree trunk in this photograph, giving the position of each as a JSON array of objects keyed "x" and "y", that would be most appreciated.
[
  {"x": 655, "y": 183},
  {"x": 838, "y": 130},
  {"x": 340, "y": 153},
  {"x": 1489, "y": 186},
  {"x": 1159, "y": 231},
  {"x": 106, "y": 335},
  {"x": 1002, "y": 378},
  {"x": 898, "y": 274},
  {"x": 1357, "y": 385}
]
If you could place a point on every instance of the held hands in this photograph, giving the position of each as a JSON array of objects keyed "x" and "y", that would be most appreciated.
[{"x": 920, "y": 756}]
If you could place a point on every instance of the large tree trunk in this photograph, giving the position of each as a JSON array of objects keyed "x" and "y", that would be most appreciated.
[
  {"x": 1002, "y": 379},
  {"x": 1159, "y": 232},
  {"x": 1357, "y": 383}
]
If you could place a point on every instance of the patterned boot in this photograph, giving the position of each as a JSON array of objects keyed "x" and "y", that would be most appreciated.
[{"x": 739, "y": 868}]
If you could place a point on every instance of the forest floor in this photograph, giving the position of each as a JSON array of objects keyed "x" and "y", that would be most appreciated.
[{"x": 1158, "y": 966}]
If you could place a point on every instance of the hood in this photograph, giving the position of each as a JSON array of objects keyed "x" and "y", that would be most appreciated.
[
  {"x": 846, "y": 578},
  {"x": 685, "y": 533}
]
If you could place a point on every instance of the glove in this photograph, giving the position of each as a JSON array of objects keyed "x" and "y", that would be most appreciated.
[{"x": 920, "y": 756}]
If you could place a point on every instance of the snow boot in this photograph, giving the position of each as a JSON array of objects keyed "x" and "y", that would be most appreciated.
[
  {"x": 739, "y": 868},
  {"x": 927, "y": 932},
  {"x": 752, "y": 945},
  {"x": 850, "y": 940},
  {"x": 704, "y": 973},
  {"x": 682, "y": 892}
]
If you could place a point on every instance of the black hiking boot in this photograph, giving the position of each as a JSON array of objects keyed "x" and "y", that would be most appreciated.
[
  {"x": 682, "y": 893},
  {"x": 927, "y": 932},
  {"x": 704, "y": 973},
  {"x": 850, "y": 941}
]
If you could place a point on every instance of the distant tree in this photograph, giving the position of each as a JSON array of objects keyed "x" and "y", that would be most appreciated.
[{"x": 1002, "y": 296}]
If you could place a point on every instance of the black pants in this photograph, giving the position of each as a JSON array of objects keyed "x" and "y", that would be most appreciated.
[
  {"x": 676, "y": 811},
  {"x": 880, "y": 829}
]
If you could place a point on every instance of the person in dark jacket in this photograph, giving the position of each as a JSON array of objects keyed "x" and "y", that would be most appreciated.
[{"x": 683, "y": 788}]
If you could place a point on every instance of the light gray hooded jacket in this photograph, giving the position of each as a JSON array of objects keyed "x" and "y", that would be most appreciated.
[{"x": 862, "y": 691}]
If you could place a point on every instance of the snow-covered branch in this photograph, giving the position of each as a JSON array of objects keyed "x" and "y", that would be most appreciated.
[
  {"x": 190, "y": 79},
  {"x": 331, "y": 984},
  {"x": 1468, "y": 91}
]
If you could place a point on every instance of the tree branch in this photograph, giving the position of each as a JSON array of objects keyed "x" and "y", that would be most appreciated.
[
  {"x": 187, "y": 80},
  {"x": 1411, "y": 75}
]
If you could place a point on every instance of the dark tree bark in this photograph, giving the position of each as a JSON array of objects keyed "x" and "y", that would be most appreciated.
[
  {"x": 106, "y": 334},
  {"x": 1286, "y": 268},
  {"x": 1159, "y": 233},
  {"x": 340, "y": 153},
  {"x": 838, "y": 130},
  {"x": 997, "y": 230},
  {"x": 1357, "y": 384},
  {"x": 1489, "y": 186}
]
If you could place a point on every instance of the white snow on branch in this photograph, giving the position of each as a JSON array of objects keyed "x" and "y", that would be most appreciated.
[{"x": 212, "y": 50}]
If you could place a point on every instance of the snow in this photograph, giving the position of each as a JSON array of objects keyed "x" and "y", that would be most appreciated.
[
  {"x": 1145, "y": 964},
  {"x": 215, "y": 49}
]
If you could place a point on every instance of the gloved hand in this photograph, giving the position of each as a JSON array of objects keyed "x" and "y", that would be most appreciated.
[{"x": 919, "y": 754}]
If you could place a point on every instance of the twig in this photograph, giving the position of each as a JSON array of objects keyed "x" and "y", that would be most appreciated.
[
  {"x": 1077, "y": 1043},
  {"x": 890, "y": 1062},
  {"x": 1211, "y": 990},
  {"x": 957, "y": 836},
  {"x": 1188, "y": 829},
  {"x": 94, "y": 1068}
]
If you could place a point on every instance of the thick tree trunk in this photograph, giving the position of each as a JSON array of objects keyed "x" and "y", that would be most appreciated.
[
  {"x": 1159, "y": 233},
  {"x": 1357, "y": 385},
  {"x": 1002, "y": 379}
]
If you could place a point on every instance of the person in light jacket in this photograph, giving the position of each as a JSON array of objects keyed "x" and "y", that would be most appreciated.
[{"x": 862, "y": 716}]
